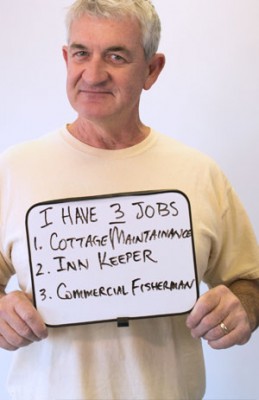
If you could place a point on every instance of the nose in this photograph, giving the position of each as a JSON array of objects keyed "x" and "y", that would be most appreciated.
[{"x": 95, "y": 72}]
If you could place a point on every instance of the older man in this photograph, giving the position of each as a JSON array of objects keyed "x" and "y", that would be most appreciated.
[{"x": 111, "y": 56}]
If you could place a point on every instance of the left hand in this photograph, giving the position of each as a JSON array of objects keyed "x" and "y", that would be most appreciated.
[{"x": 219, "y": 305}]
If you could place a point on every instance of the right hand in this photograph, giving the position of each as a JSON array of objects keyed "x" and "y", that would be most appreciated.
[{"x": 20, "y": 322}]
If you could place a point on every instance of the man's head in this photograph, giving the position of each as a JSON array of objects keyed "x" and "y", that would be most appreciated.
[
  {"x": 142, "y": 10},
  {"x": 107, "y": 64}
]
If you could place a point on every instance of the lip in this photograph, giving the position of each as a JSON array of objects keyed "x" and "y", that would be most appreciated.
[
  {"x": 95, "y": 95},
  {"x": 95, "y": 92}
]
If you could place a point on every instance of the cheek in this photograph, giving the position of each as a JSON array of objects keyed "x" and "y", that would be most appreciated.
[
  {"x": 135, "y": 88},
  {"x": 73, "y": 75},
  {"x": 70, "y": 81},
  {"x": 71, "y": 87},
  {"x": 133, "y": 85}
]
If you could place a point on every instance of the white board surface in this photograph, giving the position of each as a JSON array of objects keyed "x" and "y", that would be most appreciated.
[{"x": 112, "y": 257}]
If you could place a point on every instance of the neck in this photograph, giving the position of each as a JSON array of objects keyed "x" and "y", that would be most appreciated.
[{"x": 108, "y": 137}]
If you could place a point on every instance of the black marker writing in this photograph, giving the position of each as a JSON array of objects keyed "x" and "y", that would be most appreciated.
[
  {"x": 68, "y": 265},
  {"x": 79, "y": 215},
  {"x": 62, "y": 243},
  {"x": 45, "y": 212},
  {"x": 130, "y": 256},
  {"x": 119, "y": 214},
  {"x": 161, "y": 209},
  {"x": 64, "y": 294},
  {"x": 138, "y": 286},
  {"x": 112, "y": 251},
  {"x": 118, "y": 236}
]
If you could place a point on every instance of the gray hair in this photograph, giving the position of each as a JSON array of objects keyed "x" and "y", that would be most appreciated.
[{"x": 143, "y": 10}]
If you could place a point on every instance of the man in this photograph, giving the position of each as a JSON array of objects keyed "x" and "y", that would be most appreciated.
[{"x": 111, "y": 56}]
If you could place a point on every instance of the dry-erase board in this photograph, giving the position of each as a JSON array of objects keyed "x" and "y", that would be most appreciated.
[{"x": 112, "y": 257}]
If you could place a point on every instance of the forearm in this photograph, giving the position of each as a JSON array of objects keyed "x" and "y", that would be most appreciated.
[{"x": 247, "y": 292}]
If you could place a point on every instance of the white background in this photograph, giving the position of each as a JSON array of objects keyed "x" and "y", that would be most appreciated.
[{"x": 207, "y": 96}]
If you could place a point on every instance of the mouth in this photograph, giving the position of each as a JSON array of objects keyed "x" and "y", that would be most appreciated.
[
  {"x": 95, "y": 95},
  {"x": 95, "y": 92}
]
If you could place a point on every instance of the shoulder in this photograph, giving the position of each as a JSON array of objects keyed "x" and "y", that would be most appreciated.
[
  {"x": 23, "y": 152},
  {"x": 183, "y": 153}
]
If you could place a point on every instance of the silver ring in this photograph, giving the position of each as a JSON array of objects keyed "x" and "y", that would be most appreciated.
[{"x": 224, "y": 328}]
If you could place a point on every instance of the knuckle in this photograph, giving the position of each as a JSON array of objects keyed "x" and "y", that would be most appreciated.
[
  {"x": 236, "y": 302},
  {"x": 25, "y": 331},
  {"x": 205, "y": 322},
  {"x": 223, "y": 289},
  {"x": 242, "y": 339},
  {"x": 205, "y": 326},
  {"x": 28, "y": 316},
  {"x": 26, "y": 312}
]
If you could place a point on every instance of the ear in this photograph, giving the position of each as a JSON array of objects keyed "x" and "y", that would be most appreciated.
[
  {"x": 65, "y": 53},
  {"x": 155, "y": 66}
]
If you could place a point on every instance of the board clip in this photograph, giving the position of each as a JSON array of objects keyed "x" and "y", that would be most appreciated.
[{"x": 123, "y": 322}]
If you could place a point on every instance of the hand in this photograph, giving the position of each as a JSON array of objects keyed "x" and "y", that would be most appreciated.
[
  {"x": 219, "y": 305},
  {"x": 20, "y": 322}
]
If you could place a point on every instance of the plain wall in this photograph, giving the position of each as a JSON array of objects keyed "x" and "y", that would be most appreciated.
[{"x": 207, "y": 97}]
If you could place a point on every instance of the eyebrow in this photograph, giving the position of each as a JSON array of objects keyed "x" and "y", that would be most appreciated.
[
  {"x": 120, "y": 49},
  {"x": 77, "y": 46}
]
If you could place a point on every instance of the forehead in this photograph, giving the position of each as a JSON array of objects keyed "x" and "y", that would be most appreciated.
[{"x": 98, "y": 30}]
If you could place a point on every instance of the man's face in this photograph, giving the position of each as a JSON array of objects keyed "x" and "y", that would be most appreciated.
[{"x": 106, "y": 68}]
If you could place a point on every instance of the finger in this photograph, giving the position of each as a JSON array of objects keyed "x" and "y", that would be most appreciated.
[
  {"x": 6, "y": 345},
  {"x": 234, "y": 335},
  {"x": 10, "y": 339},
  {"x": 209, "y": 324},
  {"x": 219, "y": 331},
  {"x": 29, "y": 323},
  {"x": 204, "y": 306},
  {"x": 227, "y": 341},
  {"x": 210, "y": 310},
  {"x": 23, "y": 320},
  {"x": 22, "y": 329}
]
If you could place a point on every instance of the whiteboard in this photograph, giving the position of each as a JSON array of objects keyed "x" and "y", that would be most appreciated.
[{"x": 112, "y": 257}]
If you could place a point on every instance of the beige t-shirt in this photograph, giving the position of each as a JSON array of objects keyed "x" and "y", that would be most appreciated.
[{"x": 154, "y": 358}]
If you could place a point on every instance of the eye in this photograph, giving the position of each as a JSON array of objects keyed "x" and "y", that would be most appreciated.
[
  {"x": 117, "y": 59},
  {"x": 81, "y": 53}
]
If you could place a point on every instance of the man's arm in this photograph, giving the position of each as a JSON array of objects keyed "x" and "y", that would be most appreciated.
[
  {"x": 226, "y": 316},
  {"x": 20, "y": 322},
  {"x": 247, "y": 291}
]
